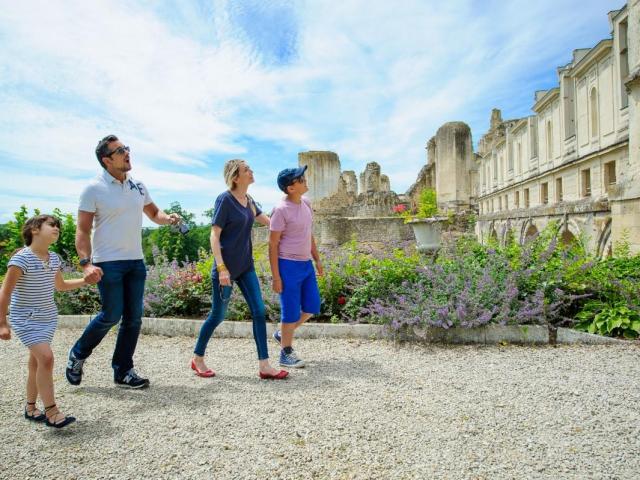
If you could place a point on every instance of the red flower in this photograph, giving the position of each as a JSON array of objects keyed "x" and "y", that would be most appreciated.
[
  {"x": 342, "y": 300},
  {"x": 399, "y": 208}
]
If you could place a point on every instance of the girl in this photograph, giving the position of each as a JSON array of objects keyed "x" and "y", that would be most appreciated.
[
  {"x": 233, "y": 218},
  {"x": 33, "y": 273}
]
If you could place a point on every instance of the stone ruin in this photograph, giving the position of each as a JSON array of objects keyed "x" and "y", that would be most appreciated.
[
  {"x": 451, "y": 169},
  {"x": 346, "y": 205},
  {"x": 337, "y": 193}
]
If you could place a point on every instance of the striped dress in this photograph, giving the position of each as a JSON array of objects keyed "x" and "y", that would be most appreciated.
[{"x": 32, "y": 313}]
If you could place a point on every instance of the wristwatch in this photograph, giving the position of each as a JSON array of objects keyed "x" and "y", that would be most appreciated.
[{"x": 84, "y": 261}]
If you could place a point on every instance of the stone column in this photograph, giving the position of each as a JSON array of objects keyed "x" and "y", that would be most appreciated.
[
  {"x": 454, "y": 153},
  {"x": 351, "y": 182},
  {"x": 496, "y": 119},
  {"x": 370, "y": 178},
  {"x": 323, "y": 173},
  {"x": 625, "y": 200},
  {"x": 431, "y": 151},
  {"x": 385, "y": 183}
]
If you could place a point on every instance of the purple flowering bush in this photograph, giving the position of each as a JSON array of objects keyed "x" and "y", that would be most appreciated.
[
  {"x": 194, "y": 289},
  {"x": 354, "y": 275},
  {"x": 175, "y": 290},
  {"x": 466, "y": 285},
  {"x": 470, "y": 285}
]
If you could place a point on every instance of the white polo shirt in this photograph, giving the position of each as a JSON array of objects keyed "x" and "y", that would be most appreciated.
[{"x": 117, "y": 224}]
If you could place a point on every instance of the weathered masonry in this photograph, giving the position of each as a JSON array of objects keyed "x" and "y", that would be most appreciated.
[{"x": 577, "y": 159}]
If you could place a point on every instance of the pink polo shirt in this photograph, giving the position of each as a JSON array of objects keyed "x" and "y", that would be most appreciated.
[{"x": 294, "y": 220}]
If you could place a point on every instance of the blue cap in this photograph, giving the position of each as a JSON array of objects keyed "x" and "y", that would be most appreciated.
[{"x": 288, "y": 175}]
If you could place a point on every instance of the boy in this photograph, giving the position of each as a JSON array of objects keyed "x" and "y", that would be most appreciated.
[{"x": 291, "y": 248}]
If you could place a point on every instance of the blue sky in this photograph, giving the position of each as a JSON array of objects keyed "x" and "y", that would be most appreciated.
[{"x": 189, "y": 84}]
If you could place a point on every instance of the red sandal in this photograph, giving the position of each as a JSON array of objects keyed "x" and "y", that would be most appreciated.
[
  {"x": 281, "y": 375},
  {"x": 208, "y": 373}
]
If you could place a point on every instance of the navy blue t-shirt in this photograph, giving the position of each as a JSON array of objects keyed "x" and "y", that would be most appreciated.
[{"x": 236, "y": 223}]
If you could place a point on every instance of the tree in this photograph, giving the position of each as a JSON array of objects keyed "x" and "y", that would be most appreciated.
[
  {"x": 13, "y": 236},
  {"x": 66, "y": 244},
  {"x": 171, "y": 243}
]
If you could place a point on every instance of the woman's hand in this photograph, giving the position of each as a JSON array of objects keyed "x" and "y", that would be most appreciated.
[{"x": 224, "y": 278}]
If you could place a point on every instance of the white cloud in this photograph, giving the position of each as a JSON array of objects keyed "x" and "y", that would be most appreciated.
[{"x": 371, "y": 81}]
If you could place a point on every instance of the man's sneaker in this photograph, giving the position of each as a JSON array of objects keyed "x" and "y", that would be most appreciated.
[
  {"x": 74, "y": 369},
  {"x": 132, "y": 380},
  {"x": 290, "y": 360},
  {"x": 277, "y": 336}
]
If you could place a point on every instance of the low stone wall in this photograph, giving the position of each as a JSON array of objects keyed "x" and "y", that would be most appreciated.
[
  {"x": 488, "y": 335},
  {"x": 339, "y": 230},
  {"x": 336, "y": 231},
  {"x": 172, "y": 327}
]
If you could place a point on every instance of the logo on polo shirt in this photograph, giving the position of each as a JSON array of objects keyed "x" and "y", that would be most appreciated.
[{"x": 136, "y": 186}]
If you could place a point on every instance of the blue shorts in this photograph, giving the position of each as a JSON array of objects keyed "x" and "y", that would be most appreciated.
[{"x": 299, "y": 289}]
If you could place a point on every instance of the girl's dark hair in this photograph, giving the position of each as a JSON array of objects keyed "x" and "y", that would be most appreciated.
[{"x": 36, "y": 222}]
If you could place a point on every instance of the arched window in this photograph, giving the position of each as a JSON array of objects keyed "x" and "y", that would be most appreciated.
[
  {"x": 567, "y": 238},
  {"x": 530, "y": 234},
  {"x": 593, "y": 104},
  {"x": 549, "y": 141}
]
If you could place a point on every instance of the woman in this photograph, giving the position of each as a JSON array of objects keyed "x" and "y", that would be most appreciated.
[{"x": 233, "y": 218}]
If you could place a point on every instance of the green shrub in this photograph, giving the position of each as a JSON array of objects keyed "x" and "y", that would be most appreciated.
[
  {"x": 426, "y": 207},
  {"x": 615, "y": 320},
  {"x": 81, "y": 301}
]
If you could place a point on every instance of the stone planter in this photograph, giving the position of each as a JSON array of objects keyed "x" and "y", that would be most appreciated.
[{"x": 428, "y": 232}]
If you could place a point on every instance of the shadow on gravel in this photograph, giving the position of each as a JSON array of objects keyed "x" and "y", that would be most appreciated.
[
  {"x": 81, "y": 433},
  {"x": 146, "y": 399},
  {"x": 317, "y": 375}
]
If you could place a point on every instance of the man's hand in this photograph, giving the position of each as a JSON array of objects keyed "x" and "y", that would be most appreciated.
[
  {"x": 276, "y": 285},
  {"x": 174, "y": 218},
  {"x": 92, "y": 274},
  {"x": 5, "y": 332}
]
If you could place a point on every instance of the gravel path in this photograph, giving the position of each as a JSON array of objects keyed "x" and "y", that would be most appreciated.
[{"x": 360, "y": 410}]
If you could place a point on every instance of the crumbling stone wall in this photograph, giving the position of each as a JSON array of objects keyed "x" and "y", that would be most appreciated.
[
  {"x": 323, "y": 173},
  {"x": 340, "y": 204},
  {"x": 455, "y": 157},
  {"x": 337, "y": 194},
  {"x": 426, "y": 177},
  {"x": 339, "y": 230},
  {"x": 350, "y": 181},
  {"x": 370, "y": 178}
]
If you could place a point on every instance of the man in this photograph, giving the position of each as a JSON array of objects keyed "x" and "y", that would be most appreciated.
[
  {"x": 291, "y": 249},
  {"x": 113, "y": 204}
]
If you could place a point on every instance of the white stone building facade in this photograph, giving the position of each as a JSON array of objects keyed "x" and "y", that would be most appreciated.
[{"x": 577, "y": 159}]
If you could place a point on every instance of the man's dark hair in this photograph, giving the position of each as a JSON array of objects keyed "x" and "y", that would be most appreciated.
[{"x": 102, "y": 150}]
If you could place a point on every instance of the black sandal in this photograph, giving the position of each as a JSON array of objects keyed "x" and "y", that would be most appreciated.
[
  {"x": 31, "y": 416},
  {"x": 67, "y": 419}
]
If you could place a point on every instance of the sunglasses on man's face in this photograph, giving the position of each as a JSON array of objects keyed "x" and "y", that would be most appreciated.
[{"x": 120, "y": 151}]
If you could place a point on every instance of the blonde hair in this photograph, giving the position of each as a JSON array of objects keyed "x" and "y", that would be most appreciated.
[{"x": 230, "y": 172}]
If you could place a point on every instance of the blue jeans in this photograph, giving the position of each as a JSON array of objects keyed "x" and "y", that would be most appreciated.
[
  {"x": 250, "y": 288},
  {"x": 121, "y": 294}
]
